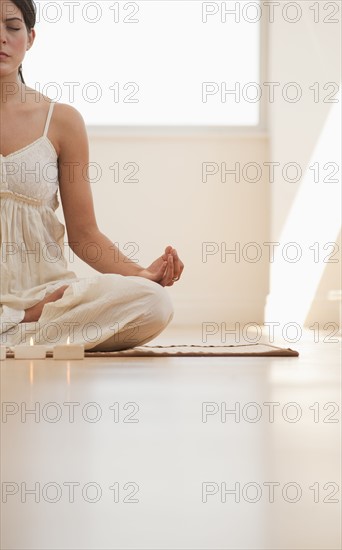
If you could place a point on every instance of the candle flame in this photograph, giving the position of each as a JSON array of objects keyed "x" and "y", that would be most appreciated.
[
  {"x": 31, "y": 341},
  {"x": 68, "y": 340}
]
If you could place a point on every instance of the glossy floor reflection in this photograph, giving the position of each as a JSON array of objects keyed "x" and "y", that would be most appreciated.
[{"x": 171, "y": 453}]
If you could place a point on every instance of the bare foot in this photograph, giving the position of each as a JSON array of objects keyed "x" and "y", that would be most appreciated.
[{"x": 32, "y": 314}]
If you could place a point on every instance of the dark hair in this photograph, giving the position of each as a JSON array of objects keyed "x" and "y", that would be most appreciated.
[{"x": 29, "y": 11}]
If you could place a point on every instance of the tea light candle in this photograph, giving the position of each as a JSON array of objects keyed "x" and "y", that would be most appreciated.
[
  {"x": 30, "y": 352},
  {"x": 2, "y": 353},
  {"x": 68, "y": 351}
]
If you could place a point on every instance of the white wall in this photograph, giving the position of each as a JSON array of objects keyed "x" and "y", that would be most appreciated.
[
  {"x": 171, "y": 205},
  {"x": 305, "y": 132}
]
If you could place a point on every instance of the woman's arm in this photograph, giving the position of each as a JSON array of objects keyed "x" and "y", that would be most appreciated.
[{"x": 78, "y": 207}]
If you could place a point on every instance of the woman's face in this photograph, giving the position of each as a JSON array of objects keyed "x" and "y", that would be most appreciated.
[{"x": 15, "y": 39}]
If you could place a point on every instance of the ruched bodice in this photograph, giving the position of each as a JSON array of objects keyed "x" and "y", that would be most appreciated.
[{"x": 30, "y": 175}]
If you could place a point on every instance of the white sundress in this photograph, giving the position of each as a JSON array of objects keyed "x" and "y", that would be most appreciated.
[{"x": 101, "y": 310}]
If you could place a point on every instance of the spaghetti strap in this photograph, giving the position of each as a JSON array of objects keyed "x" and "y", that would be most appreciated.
[{"x": 48, "y": 118}]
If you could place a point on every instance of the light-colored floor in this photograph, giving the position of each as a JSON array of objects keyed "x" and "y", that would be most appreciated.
[{"x": 143, "y": 453}]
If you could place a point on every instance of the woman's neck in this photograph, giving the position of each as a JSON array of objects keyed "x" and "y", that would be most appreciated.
[{"x": 12, "y": 91}]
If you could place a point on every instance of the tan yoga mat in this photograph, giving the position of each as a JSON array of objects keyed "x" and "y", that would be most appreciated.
[
  {"x": 246, "y": 350},
  {"x": 189, "y": 350}
]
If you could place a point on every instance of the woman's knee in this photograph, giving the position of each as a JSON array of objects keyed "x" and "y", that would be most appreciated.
[{"x": 160, "y": 309}]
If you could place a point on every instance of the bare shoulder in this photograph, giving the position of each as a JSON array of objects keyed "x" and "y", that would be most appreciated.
[
  {"x": 68, "y": 128},
  {"x": 68, "y": 115},
  {"x": 64, "y": 114}
]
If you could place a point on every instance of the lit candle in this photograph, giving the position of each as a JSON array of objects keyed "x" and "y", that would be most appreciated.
[
  {"x": 2, "y": 353},
  {"x": 30, "y": 352},
  {"x": 68, "y": 351}
]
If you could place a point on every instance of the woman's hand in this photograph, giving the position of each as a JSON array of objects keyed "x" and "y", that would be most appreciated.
[
  {"x": 166, "y": 270},
  {"x": 32, "y": 314}
]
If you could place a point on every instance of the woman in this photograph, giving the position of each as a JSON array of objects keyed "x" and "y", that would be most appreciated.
[{"x": 44, "y": 147}]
